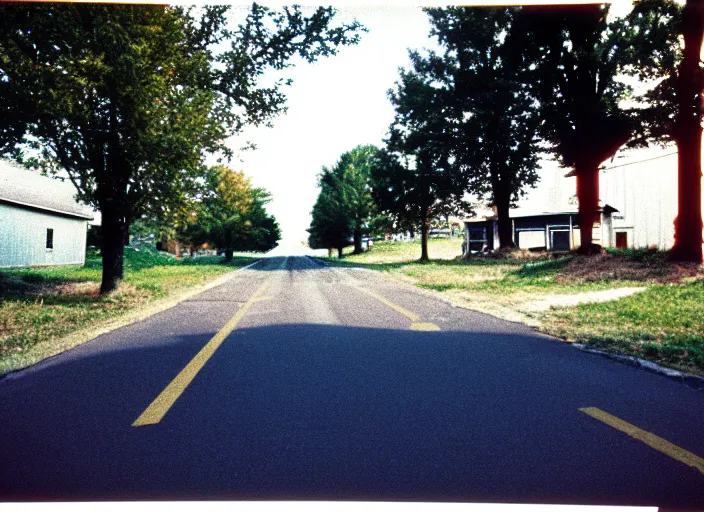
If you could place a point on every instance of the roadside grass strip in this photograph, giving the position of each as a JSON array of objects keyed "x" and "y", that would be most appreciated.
[
  {"x": 166, "y": 399},
  {"x": 655, "y": 442},
  {"x": 416, "y": 324}
]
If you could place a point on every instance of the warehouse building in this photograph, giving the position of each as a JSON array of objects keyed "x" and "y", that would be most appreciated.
[{"x": 40, "y": 221}]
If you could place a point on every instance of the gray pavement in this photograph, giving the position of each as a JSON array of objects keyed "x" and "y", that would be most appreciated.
[{"x": 326, "y": 390}]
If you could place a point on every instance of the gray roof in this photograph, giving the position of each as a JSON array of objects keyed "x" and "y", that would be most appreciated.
[{"x": 30, "y": 189}]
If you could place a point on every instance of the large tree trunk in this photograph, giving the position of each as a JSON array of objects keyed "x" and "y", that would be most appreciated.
[
  {"x": 688, "y": 135},
  {"x": 228, "y": 254},
  {"x": 112, "y": 249},
  {"x": 588, "y": 196},
  {"x": 688, "y": 224},
  {"x": 339, "y": 252},
  {"x": 358, "y": 241},
  {"x": 502, "y": 200},
  {"x": 424, "y": 230},
  {"x": 331, "y": 252}
]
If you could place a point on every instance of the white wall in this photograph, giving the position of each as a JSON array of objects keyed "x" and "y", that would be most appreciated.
[
  {"x": 23, "y": 238},
  {"x": 645, "y": 194},
  {"x": 644, "y": 190}
]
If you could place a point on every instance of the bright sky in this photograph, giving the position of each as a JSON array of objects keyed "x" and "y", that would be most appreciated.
[{"x": 333, "y": 105}]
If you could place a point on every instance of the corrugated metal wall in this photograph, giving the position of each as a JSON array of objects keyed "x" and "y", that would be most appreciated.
[
  {"x": 645, "y": 194},
  {"x": 23, "y": 238}
]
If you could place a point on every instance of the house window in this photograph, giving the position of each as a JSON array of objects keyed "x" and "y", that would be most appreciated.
[
  {"x": 49, "y": 238},
  {"x": 621, "y": 240}
]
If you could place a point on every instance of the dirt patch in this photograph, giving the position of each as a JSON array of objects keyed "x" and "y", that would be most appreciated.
[
  {"x": 581, "y": 298},
  {"x": 608, "y": 267},
  {"x": 88, "y": 288}
]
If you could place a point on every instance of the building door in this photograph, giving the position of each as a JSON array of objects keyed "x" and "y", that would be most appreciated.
[
  {"x": 559, "y": 240},
  {"x": 621, "y": 240}
]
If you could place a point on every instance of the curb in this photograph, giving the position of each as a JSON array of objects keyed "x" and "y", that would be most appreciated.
[
  {"x": 135, "y": 316},
  {"x": 691, "y": 380}
]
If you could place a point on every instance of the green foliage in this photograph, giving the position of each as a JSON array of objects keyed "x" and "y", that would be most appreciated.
[
  {"x": 490, "y": 122},
  {"x": 417, "y": 177},
  {"x": 652, "y": 28},
  {"x": 647, "y": 256},
  {"x": 129, "y": 99},
  {"x": 231, "y": 215},
  {"x": 577, "y": 56},
  {"x": 354, "y": 172},
  {"x": 533, "y": 268},
  {"x": 345, "y": 204},
  {"x": 39, "y": 306},
  {"x": 331, "y": 224},
  {"x": 413, "y": 195},
  {"x": 381, "y": 224}
]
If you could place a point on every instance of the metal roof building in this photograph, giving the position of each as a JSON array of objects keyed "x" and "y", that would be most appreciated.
[{"x": 40, "y": 221}]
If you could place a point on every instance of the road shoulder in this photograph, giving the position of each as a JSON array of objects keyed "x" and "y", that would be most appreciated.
[{"x": 50, "y": 348}]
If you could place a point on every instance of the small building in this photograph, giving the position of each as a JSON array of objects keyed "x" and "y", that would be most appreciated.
[
  {"x": 538, "y": 231},
  {"x": 40, "y": 221},
  {"x": 638, "y": 194}
]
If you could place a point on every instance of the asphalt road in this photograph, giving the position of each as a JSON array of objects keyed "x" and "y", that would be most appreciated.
[{"x": 341, "y": 384}]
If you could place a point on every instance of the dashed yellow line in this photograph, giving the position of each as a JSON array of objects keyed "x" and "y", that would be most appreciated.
[
  {"x": 424, "y": 326},
  {"x": 416, "y": 324},
  {"x": 655, "y": 442},
  {"x": 162, "y": 403}
]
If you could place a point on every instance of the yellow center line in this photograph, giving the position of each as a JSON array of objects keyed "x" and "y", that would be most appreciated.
[
  {"x": 655, "y": 442},
  {"x": 416, "y": 324},
  {"x": 424, "y": 326},
  {"x": 162, "y": 403}
]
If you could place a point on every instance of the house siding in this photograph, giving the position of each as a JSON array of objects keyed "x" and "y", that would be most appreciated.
[
  {"x": 640, "y": 183},
  {"x": 23, "y": 238},
  {"x": 646, "y": 196}
]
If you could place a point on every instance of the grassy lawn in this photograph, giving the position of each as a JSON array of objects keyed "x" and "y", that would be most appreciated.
[
  {"x": 39, "y": 307},
  {"x": 663, "y": 323},
  {"x": 401, "y": 253}
]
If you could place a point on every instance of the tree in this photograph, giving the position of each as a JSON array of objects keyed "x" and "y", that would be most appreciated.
[
  {"x": 264, "y": 232},
  {"x": 345, "y": 204},
  {"x": 231, "y": 215},
  {"x": 492, "y": 118},
  {"x": 688, "y": 136},
  {"x": 381, "y": 224},
  {"x": 419, "y": 177},
  {"x": 415, "y": 190},
  {"x": 672, "y": 109},
  {"x": 578, "y": 57},
  {"x": 354, "y": 175},
  {"x": 331, "y": 223},
  {"x": 129, "y": 99}
]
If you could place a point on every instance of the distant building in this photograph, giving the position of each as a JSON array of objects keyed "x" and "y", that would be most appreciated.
[
  {"x": 40, "y": 221},
  {"x": 638, "y": 203}
]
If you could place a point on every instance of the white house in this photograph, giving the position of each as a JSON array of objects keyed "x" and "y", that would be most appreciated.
[
  {"x": 638, "y": 199},
  {"x": 40, "y": 221}
]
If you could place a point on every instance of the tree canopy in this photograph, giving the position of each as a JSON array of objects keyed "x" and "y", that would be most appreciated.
[
  {"x": 129, "y": 99},
  {"x": 346, "y": 206},
  {"x": 487, "y": 118},
  {"x": 419, "y": 175},
  {"x": 666, "y": 47},
  {"x": 231, "y": 214},
  {"x": 331, "y": 223}
]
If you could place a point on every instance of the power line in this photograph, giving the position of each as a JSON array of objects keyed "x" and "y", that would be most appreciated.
[{"x": 639, "y": 161}]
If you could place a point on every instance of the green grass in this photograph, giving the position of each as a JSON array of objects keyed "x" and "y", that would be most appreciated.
[
  {"x": 40, "y": 305},
  {"x": 664, "y": 323},
  {"x": 395, "y": 252}
]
